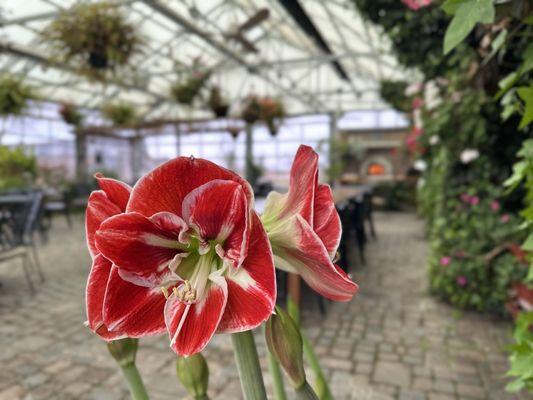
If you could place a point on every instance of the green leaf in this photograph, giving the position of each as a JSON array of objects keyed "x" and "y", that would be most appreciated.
[
  {"x": 528, "y": 244},
  {"x": 466, "y": 15},
  {"x": 526, "y": 94}
]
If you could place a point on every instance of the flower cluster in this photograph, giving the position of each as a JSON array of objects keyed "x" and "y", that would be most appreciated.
[
  {"x": 184, "y": 252},
  {"x": 416, "y": 4}
]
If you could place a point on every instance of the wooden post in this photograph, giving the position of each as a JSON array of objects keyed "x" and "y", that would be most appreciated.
[
  {"x": 249, "y": 155},
  {"x": 82, "y": 168},
  {"x": 178, "y": 139}
]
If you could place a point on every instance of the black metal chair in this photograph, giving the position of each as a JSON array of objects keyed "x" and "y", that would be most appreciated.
[
  {"x": 358, "y": 226},
  {"x": 19, "y": 220},
  {"x": 368, "y": 211}
]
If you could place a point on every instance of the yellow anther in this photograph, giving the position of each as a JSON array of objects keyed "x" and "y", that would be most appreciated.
[
  {"x": 176, "y": 293},
  {"x": 165, "y": 292}
]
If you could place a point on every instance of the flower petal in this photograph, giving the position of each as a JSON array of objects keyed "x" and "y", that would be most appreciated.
[
  {"x": 191, "y": 326},
  {"x": 94, "y": 295},
  {"x": 298, "y": 248},
  {"x": 141, "y": 247},
  {"x": 303, "y": 181},
  {"x": 99, "y": 208},
  {"x": 327, "y": 224},
  {"x": 251, "y": 288},
  {"x": 218, "y": 210},
  {"x": 165, "y": 187},
  {"x": 118, "y": 192},
  {"x": 134, "y": 310}
]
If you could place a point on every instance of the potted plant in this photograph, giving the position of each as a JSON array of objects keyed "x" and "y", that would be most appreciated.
[
  {"x": 217, "y": 103},
  {"x": 234, "y": 131},
  {"x": 120, "y": 114},
  {"x": 95, "y": 37},
  {"x": 185, "y": 92},
  {"x": 70, "y": 114},
  {"x": 14, "y": 95},
  {"x": 271, "y": 111},
  {"x": 251, "y": 111}
]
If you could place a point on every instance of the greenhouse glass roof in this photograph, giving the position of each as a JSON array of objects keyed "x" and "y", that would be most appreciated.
[{"x": 318, "y": 56}]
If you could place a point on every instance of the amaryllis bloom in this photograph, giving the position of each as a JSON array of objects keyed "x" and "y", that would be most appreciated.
[
  {"x": 417, "y": 103},
  {"x": 304, "y": 229},
  {"x": 416, "y": 4},
  {"x": 110, "y": 200},
  {"x": 495, "y": 205},
  {"x": 445, "y": 261},
  {"x": 189, "y": 256},
  {"x": 505, "y": 218},
  {"x": 413, "y": 88},
  {"x": 474, "y": 200}
]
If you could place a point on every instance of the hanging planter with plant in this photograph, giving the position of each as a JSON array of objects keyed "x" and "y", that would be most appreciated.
[
  {"x": 234, "y": 131},
  {"x": 96, "y": 38},
  {"x": 71, "y": 115},
  {"x": 120, "y": 114},
  {"x": 251, "y": 111},
  {"x": 14, "y": 95},
  {"x": 271, "y": 112},
  {"x": 186, "y": 91},
  {"x": 217, "y": 103}
]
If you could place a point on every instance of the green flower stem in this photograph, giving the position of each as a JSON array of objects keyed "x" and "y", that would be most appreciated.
[
  {"x": 248, "y": 365},
  {"x": 277, "y": 378},
  {"x": 305, "y": 392},
  {"x": 135, "y": 382},
  {"x": 321, "y": 385}
]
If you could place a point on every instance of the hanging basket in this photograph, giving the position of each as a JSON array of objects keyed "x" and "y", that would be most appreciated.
[
  {"x": 71, "y": 115},
  {"x": 186, "y": 92},
  {"x": 120, "y": 114},
  {"x": 252, "y": 110},
  {"x": 217, "y": 103},
  {"x": 272, "y": 127},
  {"x": 94, "y": 38},
  {"x": 234, "y": 132},
  {"x": 14, "y": 95}
]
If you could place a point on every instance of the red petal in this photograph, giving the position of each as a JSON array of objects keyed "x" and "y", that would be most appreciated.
[
  {"x": 94, "y": 297},
  {"x": 99, "y": 208},
  {"x": 118, "y": 192},
  {"x": 134, "y": 310},
  {"x": 327, "y": 224},
  {"x": 164, "y": 188},
  {"x": 309, "y": 258},
  {"x": 251, "y": 288},
  {"x": 191, "y": 326},
  {"x": 218, "y": 210},
  {"x": 303, "y": 181},
  {"x": 141, "y": 247}
]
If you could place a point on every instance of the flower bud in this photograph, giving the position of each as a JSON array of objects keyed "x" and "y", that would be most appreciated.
[
  {"x": 193, "y": 374},
  {"x": 123, "y": 350},
  {"x": 285, "y": 343}
]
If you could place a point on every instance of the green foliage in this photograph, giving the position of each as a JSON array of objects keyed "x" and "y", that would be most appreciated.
[
  {"x": 396, "y": 195},
  {"x": 17, "y": 169},
  {"x": 467, "y": 13},
  {"x": 120, "y": 114},
  {"x": 14, "y": 95},
  {"x": 393, "y": 93},
  {"x": 521, "y": 357},
  {"x": 185, "y": 92},
  {"x": 94, "y": 37}
]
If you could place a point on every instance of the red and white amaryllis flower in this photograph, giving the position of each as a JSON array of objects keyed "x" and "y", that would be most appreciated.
[
  {"x": 189, "y": 256},
  {"x": 305, "y": 230},
  {"x": 110, "y": 200}
]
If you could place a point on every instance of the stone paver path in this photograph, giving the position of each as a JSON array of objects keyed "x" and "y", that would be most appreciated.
[{"x": 392, "y": 342}]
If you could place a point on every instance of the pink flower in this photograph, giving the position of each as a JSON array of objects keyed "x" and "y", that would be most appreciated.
[
  {"x": 462, "y": 280},
  {"x": 495, "y": 205},
  {"x": 417, "y": 103},
  {"x": 465, "y": 198},
  {"x": 416, "y": 4},
  {"x": 189, "y": 256},
  {"x": 304, "y": 229},
  {"x": 505, "y": 218},
  {"x": 474, "y": 200},
  {"x": 444, "y": 261}
]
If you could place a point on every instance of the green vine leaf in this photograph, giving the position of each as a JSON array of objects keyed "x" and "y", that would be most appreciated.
[
  {"x": 526, "y": 94},
  {"x": 467, "y": 13}
]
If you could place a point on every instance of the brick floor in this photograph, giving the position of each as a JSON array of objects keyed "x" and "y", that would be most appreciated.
[{"x": 392, "y": 342}]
